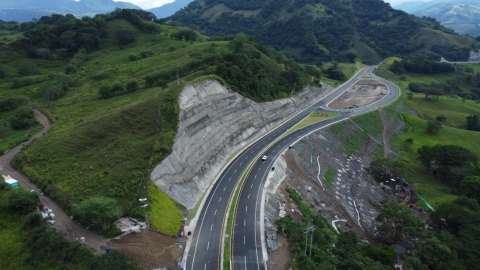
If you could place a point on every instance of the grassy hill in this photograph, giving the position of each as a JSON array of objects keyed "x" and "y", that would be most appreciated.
[
  {"x": 107, "y": 146},
  {"x": 322, "y": 30},
  {"x": 415, "y": 112}
]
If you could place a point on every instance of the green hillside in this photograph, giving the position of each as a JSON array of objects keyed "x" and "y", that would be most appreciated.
[
  {"x": 109, "y": 85},
  {"x": 324, "y": 30}
]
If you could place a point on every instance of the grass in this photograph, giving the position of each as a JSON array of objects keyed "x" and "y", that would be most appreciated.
[
  {"x": 162, "y": 211},
  {"x": 313, "y": 118},
  {"x": 329, "y": 177},
  {"x": 432, "y": 189},
  {"x": 455, "y": 110},
  {"x": 15, "y": 137}
]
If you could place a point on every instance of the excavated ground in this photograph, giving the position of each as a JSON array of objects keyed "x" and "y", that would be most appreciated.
[
  {"x": 150, "y": 250},
  {"x": 362, "y": 93}
]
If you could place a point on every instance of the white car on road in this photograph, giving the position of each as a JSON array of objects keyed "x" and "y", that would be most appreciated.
[{"x": 264, "y": 158}]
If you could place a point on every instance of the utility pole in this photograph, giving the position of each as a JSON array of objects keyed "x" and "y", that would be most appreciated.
[{"x": 309, "y": 229}]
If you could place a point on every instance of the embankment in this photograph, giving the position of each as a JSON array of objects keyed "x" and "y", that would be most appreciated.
[{"x": 214, "y": 123}]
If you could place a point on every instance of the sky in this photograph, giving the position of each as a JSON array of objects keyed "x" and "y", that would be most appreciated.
[{"x": 146, "y": 4}]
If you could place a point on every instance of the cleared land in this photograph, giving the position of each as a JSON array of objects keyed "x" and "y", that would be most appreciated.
[{"x": 362, "y": 93}]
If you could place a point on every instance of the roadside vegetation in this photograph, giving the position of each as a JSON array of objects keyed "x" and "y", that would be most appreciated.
[
  {"x": 29, "y": 243},
  {"x": 114, "y": 117}
]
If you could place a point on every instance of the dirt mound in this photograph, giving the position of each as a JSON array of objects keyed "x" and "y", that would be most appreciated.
[
  {"x": 149, "y": 249},
  {"x": 362, "y": 93}
]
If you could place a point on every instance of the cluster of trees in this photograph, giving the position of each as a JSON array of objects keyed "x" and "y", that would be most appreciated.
[
  {"x": 421, "y": 66},
  {"x": 452, "y": 162},
  {"x": 334, "y": 72},
  {"x": 136, "y": 17},
  {"x": 117, "y": 88},
  {"x": 330, "y": 250},
  {"x": 185, "y": 34},
  {"x": 48, "y": 244},
  {"x": 320, "y": 33},
  {"x": 452, "y": 52},
  {"x": 125, "y": 36}
]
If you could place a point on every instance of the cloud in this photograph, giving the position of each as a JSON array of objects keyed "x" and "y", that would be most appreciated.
[{"x": 146, "y": 4}]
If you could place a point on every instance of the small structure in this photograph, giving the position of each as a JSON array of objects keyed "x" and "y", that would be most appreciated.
[{"x": 10, "y": 181}]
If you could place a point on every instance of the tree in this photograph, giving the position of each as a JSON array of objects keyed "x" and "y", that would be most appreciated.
[
  {"x": 385, "y": 168},
  {"x": 22, "y": 118},
  {"x": 125, "y": 36},
  {"x": 441, "y": 118},
  {"x": 98, "y": 211},
  {"x": 433, "y": 127},
  {"x": 131, "y": 86},
  {"x": 2, "y": 73},
  {"x": 471, "y": 187},
  {"x": 20, "y": 200},
  {"x": 382, "y": 253},
  {"x": 414, "y": 263},
  {"x": 425, "y": 156},
  {"x": 447, "y": 156},
  {"x": 432, "y": 251},
  {"x": 473, "y": 122},
  {"x": 395, "y": 220}
]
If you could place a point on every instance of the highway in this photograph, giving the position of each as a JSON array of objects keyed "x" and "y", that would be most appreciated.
[{"x": 205, "y": 251}]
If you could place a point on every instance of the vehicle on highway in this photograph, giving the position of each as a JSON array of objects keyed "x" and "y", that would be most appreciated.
[{"x": 264, "y": 158}]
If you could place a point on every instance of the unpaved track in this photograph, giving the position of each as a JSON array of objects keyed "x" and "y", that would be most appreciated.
[
  {"x": 62, "y": 221},
  {"x": 386, "y": 147}
]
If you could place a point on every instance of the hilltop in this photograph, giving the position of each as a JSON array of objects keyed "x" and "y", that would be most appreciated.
[{"x": 321, "y": 30}]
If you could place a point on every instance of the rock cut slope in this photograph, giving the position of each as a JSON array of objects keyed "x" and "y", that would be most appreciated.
[{"x": 214, "y": 124}]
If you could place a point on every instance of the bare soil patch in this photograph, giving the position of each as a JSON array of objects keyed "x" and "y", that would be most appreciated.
[
  {"x": 149, "y": 249},
  {"x": 362, "y": 93}
]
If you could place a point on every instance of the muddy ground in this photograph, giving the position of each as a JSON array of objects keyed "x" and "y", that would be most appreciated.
[{"x": 150, "y": 250}]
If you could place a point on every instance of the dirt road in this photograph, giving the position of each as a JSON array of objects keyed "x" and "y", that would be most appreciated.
[{"x": 62, "y": 221}]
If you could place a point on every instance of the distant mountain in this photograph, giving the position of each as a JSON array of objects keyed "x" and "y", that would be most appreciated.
[
  {"x": 25, "y": 10},
  {"x": 411, "y": 7},
  {"x": 169, "y": 9},
  {"x": 463, "y": 18},
  {"x": 326, "y": 30}
]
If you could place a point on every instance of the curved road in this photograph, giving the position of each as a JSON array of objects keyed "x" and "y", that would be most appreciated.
[
  {"x": 206, "y": 245},
  {"x": 62, "y": 221}
]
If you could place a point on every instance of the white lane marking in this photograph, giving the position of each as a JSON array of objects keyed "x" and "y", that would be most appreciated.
[
  {"x": 248, "y": 196},
  {"x": 224, "y": 188},
  {"x": 244, "y": 243},
  {"x": 220, "y": 199},
  {"x": 211, "y": 226},
  {"x": 246, "y": 157},
  {"x": 246, "y": 263},
  {"x": 215, "y": 212},
  {"x": 258, "y": 146},
  {"x": 235, "y": 171},
  {"x": 244, "y": 222},
  {"x": 251, "y": 186},
  {"x": 255, "y": 176},
  {"x": 252, "y": 151},
  {"x": 205, "y": 266},
  {"x": 241, "y": 164},
  {"x": 246, "y": 208},
  {"x": 208, "y": 245},
  {"x": 229, "y": 179}
]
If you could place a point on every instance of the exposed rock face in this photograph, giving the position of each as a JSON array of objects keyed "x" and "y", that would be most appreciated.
[
  {"x": 214, "y": 123},
  {"x": 474, "y": 56}
]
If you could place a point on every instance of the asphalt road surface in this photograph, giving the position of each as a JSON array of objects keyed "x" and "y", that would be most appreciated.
[{"x": 206, "y": 248}]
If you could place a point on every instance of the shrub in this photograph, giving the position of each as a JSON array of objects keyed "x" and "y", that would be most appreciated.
[
  {"x": 105, "y": 91},
  {"x": 125, "y": 36},
  {"x": 28, "y": 69},
  {"x": 20, "y": 200},
  {"x": 101, "y": 211},
  {"x": 132, "y": 85},
  {"x": 22, "y": 118},
  {"x": 132, "y": 58}
]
